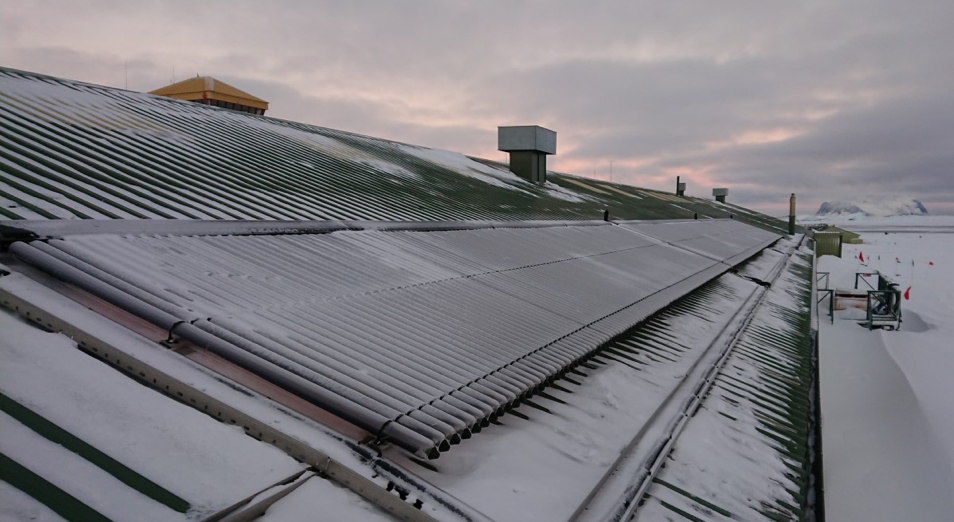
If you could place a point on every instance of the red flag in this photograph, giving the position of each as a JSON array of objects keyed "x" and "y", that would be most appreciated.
[
  {"x": 907, "y": 294},
  {"x": 861, "y": 256}
]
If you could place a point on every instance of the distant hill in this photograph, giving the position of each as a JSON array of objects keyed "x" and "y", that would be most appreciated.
[{"x": 881, "y": 207}]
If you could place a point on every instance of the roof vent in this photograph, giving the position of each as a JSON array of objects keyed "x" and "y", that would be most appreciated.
[
  {"x": 720, "y": 194},
  {"x": 680, "y": 187},
  {"x": 209, "y": 91},
  {"x": 528, "y": 146}
]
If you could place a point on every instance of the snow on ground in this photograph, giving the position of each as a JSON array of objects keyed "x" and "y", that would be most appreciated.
[{"x": 888, "y": 422}]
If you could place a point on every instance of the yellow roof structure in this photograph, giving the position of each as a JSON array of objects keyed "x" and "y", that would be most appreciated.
[{"x": 208, "y": 88}]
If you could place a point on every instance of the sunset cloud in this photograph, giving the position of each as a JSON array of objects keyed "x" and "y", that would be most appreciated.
[{"x": 820, "y": 98}]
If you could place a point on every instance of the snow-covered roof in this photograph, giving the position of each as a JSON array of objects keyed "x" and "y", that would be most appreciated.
[
  {"x": 119, "y": 448},
  {"x": 441, "y": 335},
  {"x": 333, "y": 316}
]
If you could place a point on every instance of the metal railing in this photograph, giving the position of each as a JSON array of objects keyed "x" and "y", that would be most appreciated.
[{"x": 825, "y": 293}]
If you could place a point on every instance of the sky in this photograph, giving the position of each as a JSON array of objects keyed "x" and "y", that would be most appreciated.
[{"x": 830, "y": 99}]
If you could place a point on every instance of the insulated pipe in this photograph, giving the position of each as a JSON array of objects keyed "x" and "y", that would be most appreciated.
[
  {"x": 541, "y": 362},
  {"x": 448, "y": 430},
  {"x": 488, "y": 388},
  {"x": 556, "y": 355},
  {"x": 67, "y": 256},
  {"x": 447, "y": 424},
  {"x": 464, "y": 417},
  {"x": 468, "y": 416},
  {"x": 479, "y": 400},
  {"x": 459, "y": 364},
  {"x": 399, "y": 323},
  {"x": 481, "y": 407},
  {"x": 408, "y": 378},
  {"x": 450, "y": 401},
  {"x": 515, "y": 372},
  {"x": 329, "y": 368},
  {"x": 491, "y": 395},
  {"x": 481, "y": 304},
  {"x": 392, "y": 410},
  {"x": 437, "y": 418},
  {"x": 429, "y": 372},
  {"x": 334, "y": 403},
  {"x": 39, "y": 255},
  {"x": 567, "y": 356},
  {"x": 438, "y": 429},
  {"x": 492, "y": 379},
  {"x": 524, "y": 332}
]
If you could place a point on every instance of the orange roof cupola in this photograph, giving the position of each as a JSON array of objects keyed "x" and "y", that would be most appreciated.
[{"x": 209, "y": 91}]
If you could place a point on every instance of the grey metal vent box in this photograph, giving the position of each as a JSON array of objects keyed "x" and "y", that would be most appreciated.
[
  {"x": 528, "y": 146},
  {"x": 526, "y": 138}
]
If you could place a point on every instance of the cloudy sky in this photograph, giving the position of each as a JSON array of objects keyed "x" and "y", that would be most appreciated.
[{"x": 825, "y": 98}]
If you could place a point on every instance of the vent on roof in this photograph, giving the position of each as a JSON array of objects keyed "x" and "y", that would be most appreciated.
[
  {"x": 209, "y": 91},
  {"x": 680, "y": 187},
  {"x": 720, "y": 194},
  {"x": 528, "y": 146}
]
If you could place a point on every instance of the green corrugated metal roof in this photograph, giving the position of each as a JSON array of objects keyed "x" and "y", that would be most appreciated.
[
  {"x": 847, "y": 235},
  {"x": 71, "y": 150},
  {"x": 757, "y": 421}
]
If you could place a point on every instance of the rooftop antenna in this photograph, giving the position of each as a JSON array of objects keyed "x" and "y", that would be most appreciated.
[
  {"x": 611, "y": 171},
  {"x": 126, "y": 74}
]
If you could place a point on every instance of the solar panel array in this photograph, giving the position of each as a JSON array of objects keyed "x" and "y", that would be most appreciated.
[{"x": 423, "y": 337}]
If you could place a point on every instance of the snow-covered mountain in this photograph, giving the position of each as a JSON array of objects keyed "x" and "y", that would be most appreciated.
[{"x": 881, "y": 207}]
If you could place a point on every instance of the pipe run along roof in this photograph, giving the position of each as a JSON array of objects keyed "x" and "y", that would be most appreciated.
[{"x": 419, "y": 337}]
